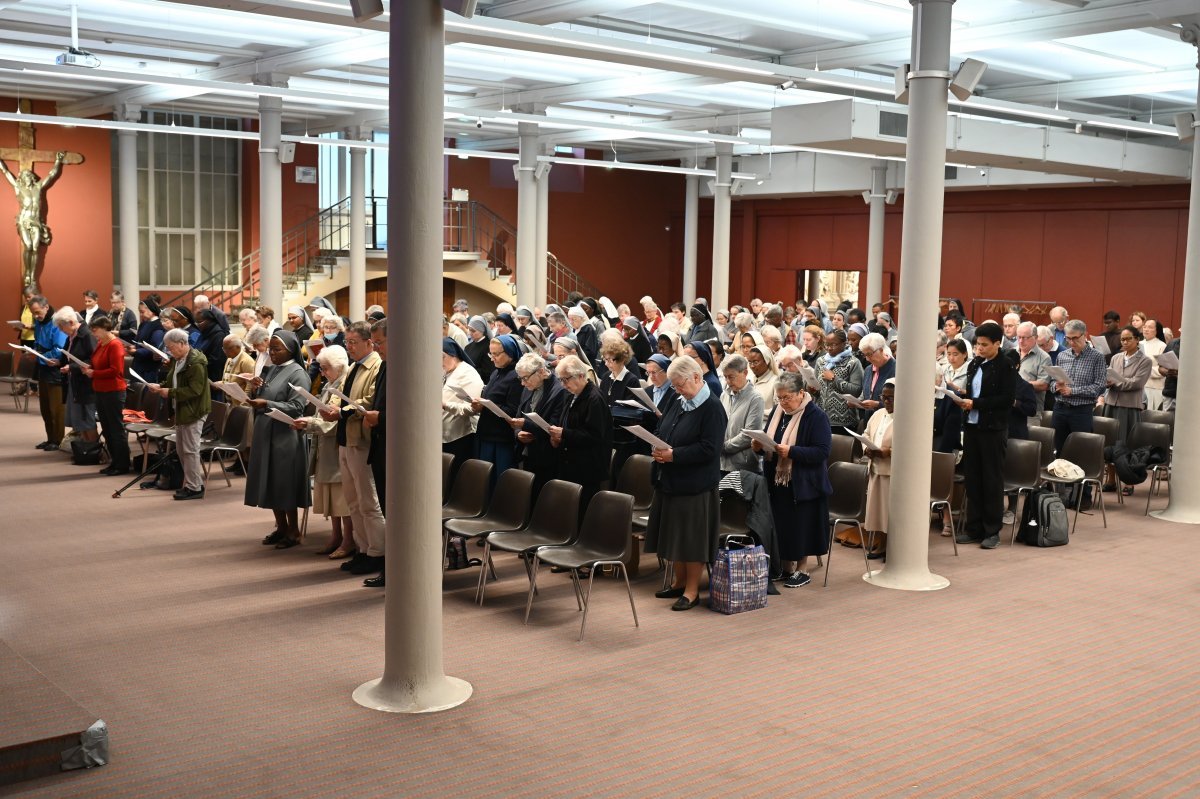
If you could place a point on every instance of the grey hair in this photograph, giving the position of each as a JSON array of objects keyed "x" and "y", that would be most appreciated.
[
  {"x": 531, "y": 363},
  {"x": 232, "y": 339},
  {"x": 569, "y": 344},
  {"x": 1043, "y": 333},
  {"x": 570, "y": 366},
  {"x": 734, "y": 364},
  {"x": 771, "y": 333},
  {"x": 1027, "y": 327},
  {"x": 557, "y": 318},
  {"x": 256, "y": 335},
  {"x": 872, "y": 342},
  {"x": 1009, "y": 317},
  {"x": 176, "y": 335},
  {"x": 1075, "y": 326},
  {"x": 941, "y": 339},
  {"x": 743, "y": 321},
  {"x": 790, "y": 382},
  {"x": 337, "y": 320},
  {"x": 334, "y": 357},
  {"x": 63, "y": 315},
  {"x": 683, "y": 367}
]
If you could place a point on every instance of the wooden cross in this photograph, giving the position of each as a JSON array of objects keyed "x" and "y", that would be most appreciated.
[{"x": 25, "y": 154}]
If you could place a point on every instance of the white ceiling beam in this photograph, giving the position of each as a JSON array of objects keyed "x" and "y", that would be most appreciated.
[
  {"x": 547, "y": 12},
  {"x": 609, "y": 89},
  {"x": 652, "y": 32},
  {"x": 724, "y": 8},
  {"x": 1171, "y": 80}
]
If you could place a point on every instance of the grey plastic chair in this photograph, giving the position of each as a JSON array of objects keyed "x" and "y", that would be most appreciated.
[
  {"x": 1153, "y": 434},
  {"x": 841, "y": 449},
  {"x": 847, "y": 504},
  {"x": 941, "y": 489},
  {"x": 509, "y": 509},
  {"x": 634, "y": 480},
  {"x": 1085, "y": 450},
  {"x": 1022, "y": 472},
  {"x": 1045, "y": 437}
]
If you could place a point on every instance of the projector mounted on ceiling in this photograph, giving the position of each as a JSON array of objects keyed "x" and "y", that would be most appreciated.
[{"x": 75, "y": 55}]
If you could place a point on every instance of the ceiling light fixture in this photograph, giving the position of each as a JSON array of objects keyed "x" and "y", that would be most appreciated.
[{"x": 1133, "y": 127}]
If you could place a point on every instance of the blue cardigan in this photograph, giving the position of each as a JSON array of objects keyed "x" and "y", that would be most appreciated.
[{"x": 810, "y": 455}]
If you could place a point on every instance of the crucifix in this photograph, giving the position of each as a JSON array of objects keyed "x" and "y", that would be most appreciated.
[{"x": 31, "y": 192}]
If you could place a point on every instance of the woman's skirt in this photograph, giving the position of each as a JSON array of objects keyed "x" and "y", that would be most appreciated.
[
  {"x": 1126, "y": 419},
  {"x": 80, "y": 416},
  {"x": 801, "y": 528},
  {"x": 328, "y": 500},
  {"x": 684, "y": 527},
  {"x": 877, "y": 503}
]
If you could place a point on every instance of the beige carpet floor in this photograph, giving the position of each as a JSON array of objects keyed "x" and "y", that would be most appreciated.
[{"x": 225, "y": 669}]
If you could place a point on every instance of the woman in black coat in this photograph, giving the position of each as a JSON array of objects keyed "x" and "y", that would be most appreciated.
[
  {"x": 545, "y": 396},
  {"x": 583, "y": 436},
  {"x": 495, "y": 441},
  {"x": 685, "y": 512}
]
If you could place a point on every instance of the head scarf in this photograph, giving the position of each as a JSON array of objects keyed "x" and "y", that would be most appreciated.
[
  {"x": 768, "y": 356},
  {"x": 535, "y": 337},
  {"x": 507, "y": 319},
  {"x": 303, "y": 314},
  {"x": 552, "y": 308},
  {"x": 289, "y": 340},
  {"x": 703, "y": 311},
  {"x": 705, "y": 354},
  {"x": 152, "y": 306},
  {"x": 632, "y": 323},
  {"x": 756, "y": 336},
  {"x": 676, "y": 344},
  {"x": 480, "y": 324},
  {"x": 524, "y": 312},
  {"x": 451, "y": 348},
  {"x": 181, "y": 310},
  {"x": 512, "y": 347},
  {"x": 661, "y": 360},
  {"x": 321, "y": 302},
  {"x": 860, "y": 329}
]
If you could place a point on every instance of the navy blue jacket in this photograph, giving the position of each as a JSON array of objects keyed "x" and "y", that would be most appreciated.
[
  {"x": 695, "y": 437},
  {"x": 810, "y": 455}
]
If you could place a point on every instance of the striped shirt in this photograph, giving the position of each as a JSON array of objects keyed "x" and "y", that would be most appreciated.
[{"x": 1088, "y": 376}]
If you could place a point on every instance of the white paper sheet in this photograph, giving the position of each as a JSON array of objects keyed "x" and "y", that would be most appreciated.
[
  {"x": 866, "y": 442},
  {"x": 810, "y": 376},
  {"x": 16, "y": 324},
  {"x": 280, "y": 416},
  {"x": 30, "y": 350},
  {"x": 313, "y": 399},
  {"x": 1101, "y": 345},
  {"x": 538, "y": 420},
  {"x": 1167, "y": 360},
  {"x": 494, "y": 408},
  {"x": 1058, "y": 374},
  {"x": 762, "y": 438},
  {"x": 645, "y": 399},
  {"x": 155, "y": 350},
  {"x": 645, "y": 435},
  {"x": 346, "y": 401},
  {"x": 852, "y": 401},
  {"x": 234, "y": 391},
  {"x": 462, "y": 395},
  {"x": 133, "y": 373},
  {"x": 77, "y": 361}
]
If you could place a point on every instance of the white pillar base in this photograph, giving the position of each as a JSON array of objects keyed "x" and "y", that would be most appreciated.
[
  {"x": 444, "y": 694},
  {"x": 1179, "y": 515},
  {"x": 927, "y": 581}
]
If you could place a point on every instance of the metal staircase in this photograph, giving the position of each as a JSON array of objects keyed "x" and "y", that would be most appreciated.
[{"x": 317, "y": 247}]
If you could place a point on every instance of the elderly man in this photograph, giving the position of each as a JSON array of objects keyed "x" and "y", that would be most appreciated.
[
  {"x": 461, "y": 306},
  {"x": 1047, "y": 343},
  {"x": 1086, "y": 379},
  {"x": 186, "y": 386},
  {"x": 201, "y": 303},
  {"x": 248, "y": 319},
  {"x": 1034, "y": 361},
  {"x": 1058, "y": 321},
  {"x": 1009, "y": 322}
]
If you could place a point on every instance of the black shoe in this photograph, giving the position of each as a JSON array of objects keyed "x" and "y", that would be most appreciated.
[
  {"x": 148, "y": 485},
  {"x": 991, "y": 542},
  {"x": 51, "y": 448},
  {"x": 273, "y": 539},
  {"x": 877, "y": 554},
  {"x": 374, "y": 582},
  {"x": 967, "y": 538},
  {"x": 187, "y": 493},
  {"x": 347, "y": 565},
  {"x": 287, "y": 543},
  {"x": 683, "y": 603},
  {"x": 367, "y": 565},
  {"x": 668, "y": 593},
  {"x": 42, "y": 445}
]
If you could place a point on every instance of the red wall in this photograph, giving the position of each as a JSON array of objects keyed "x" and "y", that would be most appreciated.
[
  {"x": 300, "y": 200},
  {"x": 78, "y": 211}
]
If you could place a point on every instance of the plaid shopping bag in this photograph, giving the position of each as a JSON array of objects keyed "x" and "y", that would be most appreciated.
[{"x": 739, "y": 580}]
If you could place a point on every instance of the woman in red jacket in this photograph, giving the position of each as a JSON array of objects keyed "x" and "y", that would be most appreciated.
[{"x": 108, "y": 384}]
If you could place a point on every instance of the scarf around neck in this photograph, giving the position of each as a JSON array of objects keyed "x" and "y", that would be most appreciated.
[{"x": 783, "y": 470}]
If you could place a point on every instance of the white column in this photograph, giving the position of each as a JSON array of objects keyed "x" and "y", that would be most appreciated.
[
  {"x": 127, "y": 207},
  {"x": 413, "y": 679},
  {"x": 691, "y": 234},
  {"x": 907, "y": 565},
  {"x": 722, "y": 205},
  {"x": 877, "y": 199},
  {"x": 358, "y": 233},
  {"x": 527, "y": 214},
  {"x": 1184, "y": 502},
  {"x": 270, "y": 201},
  {"x": 342, "y": 188},
  {"x": 540, "y": 293}
]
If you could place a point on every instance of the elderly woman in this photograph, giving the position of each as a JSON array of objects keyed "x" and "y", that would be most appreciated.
[
  {"x": 1154, "y": 344},
  {"x": 1123, "y": 400},
  {"x": 797, "y": 477},
  {"x": 248, "y": 319},
  {"x": 257, "y": 339},
  {"x": 615, "y": 385},
  {"x": 332, "y": 333},
  {"x": 879, "y": 467},
  {"x": 495, "y": 441},
  {"x": 277, "y": 475},
  {"x": 107, "y": 373},
  {"x": 669, "y": 344},
  {"x": 702, "y": 355},
  {"x": 544, "y": 395},
  {"x": 237, "y": 362},
  {"x": 49, "y": 341},
  {"x": 839, "y": 373},
  {"x": 326, "y": 470},
  {"x": 685, "y": 512},
  {"x": 81, "y": 402},
  {"x": 478, "y": 348},
  {"x": 660, "y": 387},
  {"x": 766, "y": 372},
  {"x": 458, "y": 420},
  {"x": 583, "y": 434},
  {"x": 568, "y": 346},
  {"x": 743, "y": 410},
  {"x": 880, "y": 366}
]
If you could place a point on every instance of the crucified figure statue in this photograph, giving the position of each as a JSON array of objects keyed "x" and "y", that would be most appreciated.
[{"x": 31, "y": 194}]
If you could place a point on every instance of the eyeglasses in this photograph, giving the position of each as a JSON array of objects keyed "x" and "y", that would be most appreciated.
[
  {"x": 1128, "y": 338},
  {"x": 1074, "y": 338}
]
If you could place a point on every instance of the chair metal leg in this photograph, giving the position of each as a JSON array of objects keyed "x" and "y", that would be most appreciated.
[
  {"x": 579, "y": 601},
  {"x": 533, "y": 569},
  {"x": 481, "y": 586},
  {"x": 829, "y": 557},
  {"x": 629, "y": 592},
  {"x": 1078, "y": 505},
  {"x": 591, "y": 576},
  {"x": 1100, "y": 494}
]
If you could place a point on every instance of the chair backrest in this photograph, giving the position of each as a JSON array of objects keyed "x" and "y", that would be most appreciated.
[
  {"x": 556, "y": 511},
  {"x": 1034, "y": 421},
  {"x": 469, "y": 494},
  {"x": 941, "y": 477},
  {"x": 135, "y": 395},
  {"x": 1159, "y": 417},
  {"x": 1023, "y": 462},
  {"x": 26, "y": 367},
  {"x": 1150, "y": 434},
  {"x": 1045, "y": 437},
  {"x": 447, "y": 462},
  {"x": 849, "y": 497},
  {"x": 607, "y": 530},
  {"x": 1107, "y": 427},
  {"x": 634, "y": 480},
  {"x": 1085, "y": 450},
  {"x": 734, "y": 510},
  {"x": 841, "y": 449},
  {"x": 6, "y": 362},
  {"x": 1047, "y": 418},
  {"x": 512, "y": 498},
  {"x": 151, "y": 405},
  {"x": 233, "y": 433},
  {"x": 216, "y": 417}
]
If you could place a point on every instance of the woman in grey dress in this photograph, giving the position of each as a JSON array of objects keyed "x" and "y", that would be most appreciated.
[{"x": 277, "y": 475}]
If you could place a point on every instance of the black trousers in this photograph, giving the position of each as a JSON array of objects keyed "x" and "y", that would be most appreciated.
[
  {"x": 983, "y": 473},
  {"x": 109, "y": 405}
]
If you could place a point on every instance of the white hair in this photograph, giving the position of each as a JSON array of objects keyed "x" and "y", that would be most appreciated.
[
  {"x": 334, "y": 357},
  {"x": 683, "y": 367},
  {"x": 872, "y": 342},
  {"x": 1012, "y": 317},
  {"x": 318, "y": 314},
  {"x": 256, "y": 335},
  {"x": 176, "y": 335},
  {"x": 63, "y": 315}
]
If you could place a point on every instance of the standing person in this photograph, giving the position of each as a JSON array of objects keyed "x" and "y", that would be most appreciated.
[
  {"x": 81, "y": 404},
  {"x": 1087, "y": 377},
  {"x": 299, "y": 323},
  {"x": 840, "y": 373},
  {"x": 991, "y": 388},
  {"x": 125, "y": 321},
  {"x": 237, "y": 362},
  {"x": 201, "y": 303},
  {"x": 880, "y": 366},
  {"x": 1170, "y": 377},
  {"x": 150, "y": 331},
  {"x": 1154, "y": 344},
  {"x": 354, "y": 447},
  {"x": 49, "y": 341},
  {"x": 1123, "y": 399},
  {"x": 583, "y": 435},
  {"x": 1112, "y": 331},
  {"x": 375, "y": 420},
  {"x": 91, "y": 307},
  {"x": 107, "y": 374},
  {"x": 458, "y": 421},
  {"x": 211, "y": 343},
  {"x": 797, "y": 475},
  {"x": 879, "y": 467},
  {"x": 186, "y": 385},
  {"x": 277, "y": 475},
  {"x": 544, "y": 395},
  {"x": 327, "y": 497},
  {"x": 743, "y": 411},
  {"x": 685, "y": 511},
  {"x": 477, "y": 349},
  {"x": 495, "y": 441},
  {"x": 1034, "y": 361},
  {"x": 27, "y": 318}
]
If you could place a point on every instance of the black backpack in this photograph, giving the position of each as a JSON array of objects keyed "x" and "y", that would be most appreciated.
[
  {"x": 86, "y": 453},
  {"x": 1044, "y": 520}
]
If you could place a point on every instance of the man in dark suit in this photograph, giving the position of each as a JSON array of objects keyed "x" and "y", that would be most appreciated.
[
  {"x": 375, "y": 420},
  {"x": 990, "y": 391}
]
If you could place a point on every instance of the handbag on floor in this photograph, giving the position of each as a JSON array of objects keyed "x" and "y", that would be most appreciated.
[
  {"x": 86, "y": 453},
  {"x": 739, "y": 580}
]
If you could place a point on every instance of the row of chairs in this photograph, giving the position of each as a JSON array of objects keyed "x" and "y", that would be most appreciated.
[
  {"x": 226, "y": 430},
  {"x": 18, "y": 372}
]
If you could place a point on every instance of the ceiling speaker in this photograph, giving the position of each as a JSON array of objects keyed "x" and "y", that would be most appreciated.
[
  {"x": 464, "y": 8},
  {"x": 364, "y": 10}
]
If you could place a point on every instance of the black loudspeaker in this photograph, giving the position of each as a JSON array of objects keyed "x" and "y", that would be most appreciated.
[{"x": 364, "y": 10}]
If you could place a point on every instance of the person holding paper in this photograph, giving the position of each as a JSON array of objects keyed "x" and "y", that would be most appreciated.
[
  {"x": 797, "y": 476},
  {"x": 49, "y": 340},
  {"x": 495, "y": 441},
  {"x": 458, "y": 420},
  {"x": 685, "y": 511},
  {"x": 1087, "y": 377},
  {"x": 544, "y": 395},
  {"x": 257, "y": 340},
  {"x": 1171, "y": 375},
  {"x": 660, "y": 388},
  {"x": 879, "y": 469},
  {"x": 151, "y": 331},
  {"x": 107, "y": 373},
  {"x": 327, "y": 497},
  {"x": 125, "y": 321},
  {"x": 766, "y": 373},
  {"x": 947, "y": 415},
  {"x": 563, "y": 347},
  {"x": 614, "y": 386},
  {"x": 583, "y": 435},
  {"x": 277, "y": 474},
  {"x": 880, "y": 366},
  {"x": 27, "y": 318},
  {"x": 211, "y": 342},
  {"x": 186, "y": 386},
  {"x": 1154, "y": 343},
  {"x": 237, "y": 362},
  {"x": 80, "y": 401},
  {"x": 699, "y": 352},
  {"x": 479, "y": 347},
  {"x": 743, "y": 411},
  {"x": 1127, "y": 374},
  {"x": 839, "y": 372},
  {"x": 332, "y": 333}
]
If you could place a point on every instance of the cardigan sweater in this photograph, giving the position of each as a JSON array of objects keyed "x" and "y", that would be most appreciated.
[
  {"x": 696, "y": 438},
  {"x": 108, "y": 367}
]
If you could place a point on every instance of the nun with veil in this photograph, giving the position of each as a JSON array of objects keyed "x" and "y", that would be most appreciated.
[{"x": 277, "y": 475}]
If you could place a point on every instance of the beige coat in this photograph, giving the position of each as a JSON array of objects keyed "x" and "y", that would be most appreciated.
[{"x": 362, "y": 393}]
